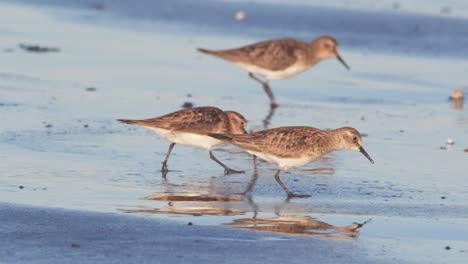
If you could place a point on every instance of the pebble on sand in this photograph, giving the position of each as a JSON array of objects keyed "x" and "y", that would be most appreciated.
[
  {"x": 187, "y": 105},
  {"x": 450, "y": 141},
  {"x": 456, "y": 94},
  {"x": 240, "y": 16}
]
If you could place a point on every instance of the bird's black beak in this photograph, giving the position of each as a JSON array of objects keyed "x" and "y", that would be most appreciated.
[
  {"x": 361, "y": 149},
  {"x": 342, "y": 61}
]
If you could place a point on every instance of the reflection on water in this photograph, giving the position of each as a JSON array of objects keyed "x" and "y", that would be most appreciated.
[
  {"x": 193, "y": 197},
  {"x": 457, "y": 104},
  {"x": 298, "y": 225},
  {"x": 321, "y": 171},
  {"x": 190, "y": 210},
  {"x": 240, "y": 204},
  {"x": 269, "y": 116}
]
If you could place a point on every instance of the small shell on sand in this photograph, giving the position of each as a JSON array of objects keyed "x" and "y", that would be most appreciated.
[
  {"x": 450, "y": 141},
  {"x": 456, "y": 94},
  {"x": 240, "y": 15}
]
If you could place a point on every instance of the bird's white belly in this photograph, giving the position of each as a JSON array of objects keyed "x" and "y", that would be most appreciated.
[
  {"x": 284, "y": 163},
  {"x": 273, "y": 75},
  {"x": 187, "y": 139}
]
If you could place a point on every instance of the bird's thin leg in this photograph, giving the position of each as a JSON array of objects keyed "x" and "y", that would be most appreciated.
[
  {"x": 267, "y": 89},
  {"x": 227, "y": 170},
  {"x": 290, "y": 194},
  {"x": 164, "y": 164},
  {"x": 251, "y": 183},
  {"x": 254, "y": 159},
  {"x": 266, "y": 121},
  {"x": 254, "y": 206}
]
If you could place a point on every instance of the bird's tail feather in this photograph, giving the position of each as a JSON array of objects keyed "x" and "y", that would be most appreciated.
[
  {"x": 130, "y": 122},
  {"x": 210, "y": 52}
]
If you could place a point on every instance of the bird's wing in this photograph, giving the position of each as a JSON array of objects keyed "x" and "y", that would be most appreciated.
[
  {"x": 282, "y": 142},
  {"x": 201, "y": 120},
  {"x": 273, "y": 55}
]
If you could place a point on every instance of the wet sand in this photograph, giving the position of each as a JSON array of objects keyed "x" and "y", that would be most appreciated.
[
  {"x": 38, "y": 235},
  {"x": 62, "y": 148}
]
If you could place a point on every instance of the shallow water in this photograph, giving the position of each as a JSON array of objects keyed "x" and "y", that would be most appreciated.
[{"x": 61, "y": 145}]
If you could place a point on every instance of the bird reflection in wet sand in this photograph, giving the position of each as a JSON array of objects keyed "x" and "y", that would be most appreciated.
[
  {"x": 279, "y": 59},
  {"x": 291, "y": 147},
  {"x": 233, "y": 205},
  {"x": 294, "y": 224},
  {"x": 457, "y": 104},
  {"x": 269, "y": 116},
  {"x": 190, "y": 127},
  {"x": 304, "y": 225}
]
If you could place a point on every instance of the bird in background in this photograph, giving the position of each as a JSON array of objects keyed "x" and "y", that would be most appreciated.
[
  {"x": 279, "y": 59},
  {"x": 292, "y": 147},
  {"x": 190, "y": 127}
]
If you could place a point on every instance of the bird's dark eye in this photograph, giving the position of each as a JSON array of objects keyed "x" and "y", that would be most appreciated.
[{"x": 354, "y": 138}]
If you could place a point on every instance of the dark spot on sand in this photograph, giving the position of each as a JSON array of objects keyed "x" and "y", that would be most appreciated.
[
  {"x": 8, "y": 104},
  {"x": 98, "y": 6},
  {"x": 443, "y": 147},
  {"x": 448, "y": 248},
  {"x": 364, "y": 135},
  {"x": 189, "y": 223},
  {"x": 21, "y": 187},
  {"x": 75, "y": 245},
  {"x": 189, "y": 95},
  {"x": 90, "y": 89},
  {"x": 49, "y": 126},
  {"x": 187, "y": 105},
  {"x": 402, "y": 131},
  {"x": 85, "y": 125},
  {"x": 446, "y": 10},
  {"x": 38, "y": 48},
  {"x": 443, "y": 197}
]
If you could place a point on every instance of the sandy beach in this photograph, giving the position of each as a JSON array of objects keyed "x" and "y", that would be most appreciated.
[{"x": 77, "y": 186}]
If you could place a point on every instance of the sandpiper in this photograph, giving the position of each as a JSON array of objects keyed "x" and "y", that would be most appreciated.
[
  {"x": 291, "y": 147},
  {"x": 190, "y": 127},
  {"x": 279, "y": 59}
]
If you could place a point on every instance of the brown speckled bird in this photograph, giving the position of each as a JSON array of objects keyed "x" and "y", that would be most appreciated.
[
  {"x": 291, "y": 147},
  {"x": 279, "y": 59},
  {"x": 190, "y": 127}
]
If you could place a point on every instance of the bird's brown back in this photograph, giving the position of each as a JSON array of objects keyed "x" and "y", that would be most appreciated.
[
  {"x": 200, "y": 120},
  {"x": 285, "y": 142},
  {"x": 273, "y": 55}
]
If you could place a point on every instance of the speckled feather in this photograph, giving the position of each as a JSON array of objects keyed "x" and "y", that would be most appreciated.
[
  {"x": 292, "y": 142},
  {"x": 273, "y": 55},
  {"x": 200, "y": 120},
  {"x": 285, "y": 142}
]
